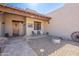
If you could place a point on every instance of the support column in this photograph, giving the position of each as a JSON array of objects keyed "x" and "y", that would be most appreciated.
[
  {"x": 1, "y": 24},
  {"x": 25, "y": 26}
]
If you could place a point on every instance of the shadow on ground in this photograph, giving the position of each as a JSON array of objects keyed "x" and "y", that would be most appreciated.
[{"x": 45, "y": 45}]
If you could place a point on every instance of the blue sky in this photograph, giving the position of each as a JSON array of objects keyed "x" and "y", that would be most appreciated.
[{"x": 39, "y": 7}]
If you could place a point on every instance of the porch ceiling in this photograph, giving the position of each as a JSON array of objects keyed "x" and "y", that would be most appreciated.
[{"x": 23, "y": 13}]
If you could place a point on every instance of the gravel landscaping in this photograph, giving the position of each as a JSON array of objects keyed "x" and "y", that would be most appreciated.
[{"x": 44, "y": 47}]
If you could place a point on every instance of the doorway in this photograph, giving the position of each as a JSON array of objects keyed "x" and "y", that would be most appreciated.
[
  {"x": 18, "y": 28},
  {"x": 15, "y": 28}
]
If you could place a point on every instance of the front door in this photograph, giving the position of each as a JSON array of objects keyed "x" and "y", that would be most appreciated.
[{"x": 15, "y": 28}]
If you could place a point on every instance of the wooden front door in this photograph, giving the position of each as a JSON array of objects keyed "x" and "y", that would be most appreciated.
[{"x": 15, "y": 28}]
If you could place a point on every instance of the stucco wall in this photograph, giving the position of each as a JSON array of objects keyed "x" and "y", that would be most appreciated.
[
  {"x": 64, "y": 21},
  {"x": 1, "y": 24},
  {"x": 31, "y": 21},
  {"x": 8, "y": 22}
]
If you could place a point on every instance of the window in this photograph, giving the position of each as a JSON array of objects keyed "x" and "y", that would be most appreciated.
[{"x": 37, "y": 25}]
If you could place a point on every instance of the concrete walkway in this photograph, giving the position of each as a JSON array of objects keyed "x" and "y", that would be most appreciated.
[{"x": 18, "y": 47}]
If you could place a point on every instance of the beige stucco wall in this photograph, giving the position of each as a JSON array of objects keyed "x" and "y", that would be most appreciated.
[
  {"x": 1, "y": 24},
  {"x": 64, "y": 21},
  {"x": 8, "y": 22},
  {"x": 31, "y": 21}
]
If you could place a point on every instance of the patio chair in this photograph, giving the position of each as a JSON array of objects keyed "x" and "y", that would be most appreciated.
[
  {"x": 33, "y": 33},
  {"x": 47, "y": 33},
  {"x": 38, "y": 33}
]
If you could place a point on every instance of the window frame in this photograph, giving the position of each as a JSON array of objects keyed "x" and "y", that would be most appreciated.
[{"x": 37, "y": 25}]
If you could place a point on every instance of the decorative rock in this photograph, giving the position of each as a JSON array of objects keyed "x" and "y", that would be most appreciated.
[
  {"x": 41, "y": 50},
  {"x": 57, "y": 40},
  {"x": 3, "y": 40}
]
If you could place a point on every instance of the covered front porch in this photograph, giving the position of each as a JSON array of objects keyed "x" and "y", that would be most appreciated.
[
  {"x": 18, "y": 22},
  {"x": 17, "y": 25}
]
